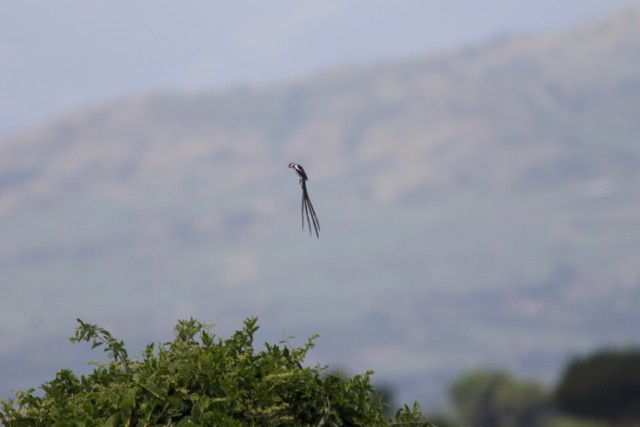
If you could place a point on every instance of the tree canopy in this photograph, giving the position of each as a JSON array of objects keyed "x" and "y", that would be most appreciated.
[
  {"x": 496, "y": 399},
  {"x": 603, "y": 385}
]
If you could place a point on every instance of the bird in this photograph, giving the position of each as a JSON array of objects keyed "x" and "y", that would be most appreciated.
[{"x": 306, "y": 207}]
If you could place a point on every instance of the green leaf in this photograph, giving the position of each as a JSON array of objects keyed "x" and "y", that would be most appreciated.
[{"x": 186, "y": 423}]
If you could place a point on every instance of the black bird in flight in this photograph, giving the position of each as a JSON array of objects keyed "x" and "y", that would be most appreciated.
[{"x": 306, "y": 202}]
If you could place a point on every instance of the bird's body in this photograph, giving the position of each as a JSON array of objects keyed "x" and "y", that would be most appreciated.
[
  {"x": 299, "y": 170},
  {"x": 307, "y": 207}
]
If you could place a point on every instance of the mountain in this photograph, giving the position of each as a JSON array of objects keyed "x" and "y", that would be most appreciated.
[{"x": 478, "y": 208}]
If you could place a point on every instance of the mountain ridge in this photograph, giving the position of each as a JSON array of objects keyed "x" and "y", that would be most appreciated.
[{"x": 385, "y": 95}]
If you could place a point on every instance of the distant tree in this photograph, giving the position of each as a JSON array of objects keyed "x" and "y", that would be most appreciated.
[
  {"x": 201, "y": 380},
  {"x": 604, "y": 385},
  {"x": 495, "y": 399}
]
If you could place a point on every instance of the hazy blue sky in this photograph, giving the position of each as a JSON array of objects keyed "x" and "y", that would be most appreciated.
[{"x": 62, "y": 55}]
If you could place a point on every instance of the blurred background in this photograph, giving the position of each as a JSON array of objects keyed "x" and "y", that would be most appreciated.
[{"x": 474, "y": 166}]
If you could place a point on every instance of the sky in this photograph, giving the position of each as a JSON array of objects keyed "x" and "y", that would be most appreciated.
[{"x": 68, "y": 54}]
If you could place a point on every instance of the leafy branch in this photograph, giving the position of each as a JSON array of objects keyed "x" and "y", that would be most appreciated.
[{"x": 99, "y": 336}]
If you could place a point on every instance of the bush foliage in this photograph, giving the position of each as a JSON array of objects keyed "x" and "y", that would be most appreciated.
[{"x": 199, "y": 379}]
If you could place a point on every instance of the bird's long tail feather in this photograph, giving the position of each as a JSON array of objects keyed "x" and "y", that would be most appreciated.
[{"x": 306, "y": 208}]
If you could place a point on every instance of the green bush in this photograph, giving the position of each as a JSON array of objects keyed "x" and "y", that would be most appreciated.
[{"x": 199, "y": 379}]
